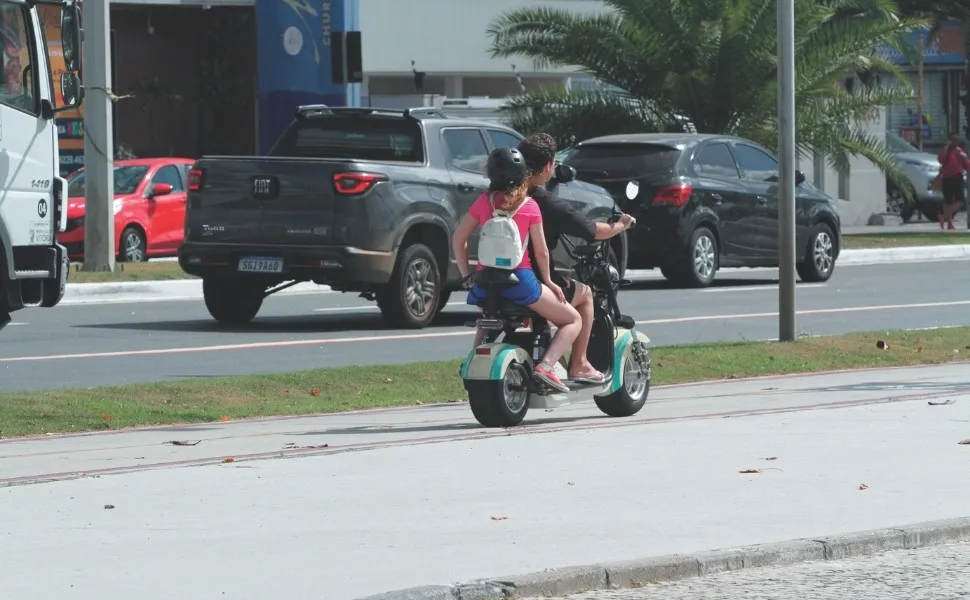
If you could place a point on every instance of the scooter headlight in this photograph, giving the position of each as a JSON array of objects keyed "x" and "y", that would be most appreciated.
[{"x": 614, "y": 277}]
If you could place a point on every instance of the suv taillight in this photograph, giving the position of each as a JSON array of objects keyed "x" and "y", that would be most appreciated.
[
  {"x": 674, "y": 195},
  {"x": 355, "y": 183},
  {"x": 196, "y": 179}
]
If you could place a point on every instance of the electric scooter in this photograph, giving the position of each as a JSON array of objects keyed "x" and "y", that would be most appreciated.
[{"x": 498, "y": 373}]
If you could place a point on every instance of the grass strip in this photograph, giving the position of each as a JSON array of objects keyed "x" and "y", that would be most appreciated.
[
  {"x": 906, "y": 239},
  {"x": 170, "y": 270},
  {"x": 349, "y": 388},
  {"x": 147, "y": 271}
]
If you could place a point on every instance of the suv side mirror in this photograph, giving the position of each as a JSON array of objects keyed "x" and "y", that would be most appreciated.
[
  {"x": 564, "y": 173},
  {"x": 161, "y": 189},
  {"x": 71, "y": 36}
]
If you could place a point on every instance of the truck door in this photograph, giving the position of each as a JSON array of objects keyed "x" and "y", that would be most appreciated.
[
  {"x": 466, "y": 153},
  {"x": 27, "y": 142}
]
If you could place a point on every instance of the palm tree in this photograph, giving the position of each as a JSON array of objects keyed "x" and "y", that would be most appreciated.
[{"x": 713, "y": 61}]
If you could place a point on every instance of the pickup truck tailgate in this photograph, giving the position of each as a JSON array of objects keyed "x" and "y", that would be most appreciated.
[{"x": 265, "y": 201}]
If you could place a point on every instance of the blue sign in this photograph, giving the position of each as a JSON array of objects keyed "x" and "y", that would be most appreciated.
[
  {"x": 293, "y": 45},
  {"x": 931, "y": 51}
]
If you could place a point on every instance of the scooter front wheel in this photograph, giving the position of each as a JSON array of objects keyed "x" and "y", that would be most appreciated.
[
  {"x": 632, "y": 395},
  {"x": 501, "y": 402}
]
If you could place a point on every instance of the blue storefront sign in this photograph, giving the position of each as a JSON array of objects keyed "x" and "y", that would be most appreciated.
[
  {"x": 931, "y": 50},
  {"x": 293, "y": 59}
]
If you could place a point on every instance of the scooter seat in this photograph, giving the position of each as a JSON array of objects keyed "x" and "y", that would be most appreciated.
[
  {"x": 511, "y": 310},
  {"x": 496, "y": 278}
]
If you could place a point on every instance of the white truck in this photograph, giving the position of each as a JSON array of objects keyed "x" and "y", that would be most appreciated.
[{"x": 33, "y": 197}]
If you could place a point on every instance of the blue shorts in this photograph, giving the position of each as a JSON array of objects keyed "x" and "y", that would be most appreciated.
[{"x": 526, "y": 291}]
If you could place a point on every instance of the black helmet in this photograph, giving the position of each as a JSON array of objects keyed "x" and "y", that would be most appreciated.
[{"x": 506, "y": 169}]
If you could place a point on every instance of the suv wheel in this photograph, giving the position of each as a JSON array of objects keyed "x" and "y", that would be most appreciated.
[
  {"x": 702, "y": 259},
  {"x": 819, "y": 261},
  {"x": 411, "y": 299},
  {"x": 231, "y": 300}
]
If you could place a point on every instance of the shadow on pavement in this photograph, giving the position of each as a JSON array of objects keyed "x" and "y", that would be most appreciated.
[
  {"x": 471, "y": 424},
  {"x": 291, "y": 324}
]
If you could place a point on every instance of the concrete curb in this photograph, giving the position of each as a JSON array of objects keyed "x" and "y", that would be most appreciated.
[
  {"x": 636, "y": 573},
  {"x": 191, "y": 289}
]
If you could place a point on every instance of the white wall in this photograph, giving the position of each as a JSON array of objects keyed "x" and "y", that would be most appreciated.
[
  {"x": 443, "y": 36},
  {"x": 866, "y": 183}
]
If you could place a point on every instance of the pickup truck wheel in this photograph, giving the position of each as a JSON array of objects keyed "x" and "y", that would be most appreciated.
[
  {"x": 230, "y": 300},
  {"x": 410, "y": 300}
]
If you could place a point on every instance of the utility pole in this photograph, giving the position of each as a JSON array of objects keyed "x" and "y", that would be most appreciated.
[
  {"x": 99, "y": 227},
  {"x": 786, "y": 170}
]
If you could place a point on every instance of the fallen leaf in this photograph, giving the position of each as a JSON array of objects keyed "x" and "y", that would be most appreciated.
[
  {"x": 228, "y": 459},
  {"x": 224, "y": 418},
  {"x": 181, "y": 443},
  {"x": 315, "y": 392},
  {"x": 109, "y": 506},
  {"x": 105, "y": 417},
  {"x": 919, "y": 349},
  {"x": 418, "y": 402},
  {"x": 750, "y": 471},
  {"x": 863, "y": 486},
  {"x": 499, "y": 518},
  {"x": 964, "y": 443},
  {"x": 388, "y": 380},
  {"x": 772, "y": 458},
  {"x": 947, "y": 402},
  {"x": 882, "y": 345}
]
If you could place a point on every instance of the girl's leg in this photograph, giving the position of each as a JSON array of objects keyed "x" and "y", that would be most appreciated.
[{"x": 566, "y": 320}]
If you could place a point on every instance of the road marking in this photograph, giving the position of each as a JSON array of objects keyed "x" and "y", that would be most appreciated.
[
  {"x": 12, "y": 324},
  {"x": 444, "y": 334},
  {"x": 757, "y": 288}
]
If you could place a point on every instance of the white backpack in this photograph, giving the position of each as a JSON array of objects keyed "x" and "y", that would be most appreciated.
[{"x": 499, "y": 244}]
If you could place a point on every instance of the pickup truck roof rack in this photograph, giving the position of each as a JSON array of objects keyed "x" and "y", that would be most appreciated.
[{"x": 307, "y": 110}]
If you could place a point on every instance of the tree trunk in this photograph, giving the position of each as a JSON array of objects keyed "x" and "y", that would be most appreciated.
[{"x": 919, "y": 93}]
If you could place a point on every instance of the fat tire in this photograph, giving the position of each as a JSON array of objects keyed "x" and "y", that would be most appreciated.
[
  {"x": 390, "y": 297},
  {"x": 230, "y": 300},
  {"x": 487, "y": 403},
  {"x": 807, "y": 270},
  {"x": 619, "y": 403}
]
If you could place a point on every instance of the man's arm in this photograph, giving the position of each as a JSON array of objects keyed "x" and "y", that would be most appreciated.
[{"x": 571, "y": 222}]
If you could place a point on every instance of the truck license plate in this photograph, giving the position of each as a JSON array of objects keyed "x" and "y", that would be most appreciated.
[{"x": 258, "y": 264}]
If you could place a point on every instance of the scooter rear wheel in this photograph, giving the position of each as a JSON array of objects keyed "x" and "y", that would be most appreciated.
[
  {"x": 503, "y": 402},
  {"x": 630, "y": 398}
]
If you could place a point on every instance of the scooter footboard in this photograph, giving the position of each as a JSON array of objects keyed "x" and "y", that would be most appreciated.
[
  {"x": 489, "y": 362},
  {"x": 622, "y": 353}
]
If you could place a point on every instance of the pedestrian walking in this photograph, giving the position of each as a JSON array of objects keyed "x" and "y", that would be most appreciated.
[{"x": 954, "y": 164}]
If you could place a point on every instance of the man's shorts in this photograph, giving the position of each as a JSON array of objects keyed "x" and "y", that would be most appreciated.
[{"x": 527, "y": 291}]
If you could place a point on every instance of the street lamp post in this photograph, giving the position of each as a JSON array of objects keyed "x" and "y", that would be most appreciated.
[{"x": 786, "y": 170}]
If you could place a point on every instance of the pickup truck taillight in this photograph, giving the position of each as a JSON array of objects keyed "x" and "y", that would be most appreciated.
[
  {"x": 196, "y": 179},
  {"x": 355, "y": 183}
]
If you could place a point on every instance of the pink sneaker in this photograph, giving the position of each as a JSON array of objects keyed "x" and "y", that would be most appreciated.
[{"x": 547, "y": 375}]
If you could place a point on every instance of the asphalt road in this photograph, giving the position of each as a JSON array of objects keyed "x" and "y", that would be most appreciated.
[{"x": 91, "y": 345}]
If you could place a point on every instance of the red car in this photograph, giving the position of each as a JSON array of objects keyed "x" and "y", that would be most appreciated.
[{"x": 149, "y": 208}]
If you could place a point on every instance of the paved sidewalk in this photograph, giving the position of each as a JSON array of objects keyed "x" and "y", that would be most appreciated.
[
  {"x": 347, "y": 525},
  {"x": 934, "y": 573}
]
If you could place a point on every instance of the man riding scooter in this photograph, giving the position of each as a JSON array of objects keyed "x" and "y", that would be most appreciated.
[{"x": 560, "y": 218}]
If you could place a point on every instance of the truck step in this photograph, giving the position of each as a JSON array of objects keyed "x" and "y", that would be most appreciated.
[{"x": 32, "y": 274}]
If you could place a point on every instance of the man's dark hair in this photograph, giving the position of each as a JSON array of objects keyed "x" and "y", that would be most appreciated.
[{"x": 539, "y": 149}]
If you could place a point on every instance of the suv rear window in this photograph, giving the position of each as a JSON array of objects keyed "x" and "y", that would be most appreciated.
[
  {"x": 360, "y": 138},
  {"x": 622, "y": 161}
]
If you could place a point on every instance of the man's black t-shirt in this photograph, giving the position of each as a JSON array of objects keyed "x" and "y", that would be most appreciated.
[{"x": 559, "y": 218}]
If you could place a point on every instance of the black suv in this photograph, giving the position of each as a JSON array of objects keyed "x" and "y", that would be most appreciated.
[{"x": 706, "y": 202}]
